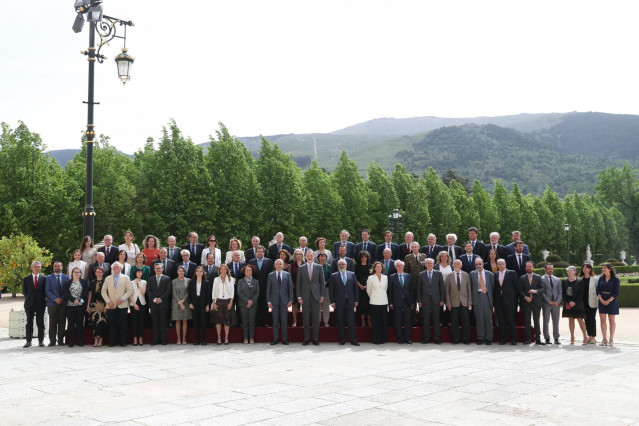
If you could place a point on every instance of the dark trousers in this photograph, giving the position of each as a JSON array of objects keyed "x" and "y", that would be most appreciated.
[
  {"x": 403, "y": 316},
  {"x": 311, "y": 316},
  {"x": 138, "y": 318},
  {"x": 239, "y": 320},
  {"x": 57, "y": 323},
  {"x": 75, "y": 319},
  {"x": 506, "y": 316},
  {"x": 200, "y": 320},
  {"x": 379, "y": 323},
  {"x": 430, "y": 308},
  {"x": 159, "y": 321},
  {"x": 262, "y": 307},
  {"x": 459, "y": 314},
  {"x": 117, "y": 326},
  {"x": 38, "y": 312},
  {"x": 591, "y": 321},
  {"x": 248, "y": 324},
  {"x": 345, "y": 315},
  {"x": 534, "y": 310},
  {"x": 280, "y": 316}
]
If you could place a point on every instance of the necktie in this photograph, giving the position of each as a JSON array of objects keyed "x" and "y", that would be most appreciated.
[
  {"x": 210, "y": 267},
  {"x": 35, "y": 283},
  {"x": 235, "y": 269},
  {"x": 482, "y": 283},
  {"x": 157, "y": 280},
  {"x": 164, "y": 266},
  {"x": 279, "y": 278},
  {"x": 386, "y": 268},
  {"x": 365, "y": 245},
  {"x": 519, "y": 260},
  {"x": 494, "y": 247},
  {"x": 193, "y": 249},
  {"x": 107, "y": 252},
  {"x": 473, "y": 243},
  {"x": 344, "y": 279},
  {"x": 451, "y": 254},
  {"x": 430, "y": 250},
  {"x": 552, "y": 288},
  {"x": 430, "y": 276},
  {"x": 310, "y": 272},
  {"x": 259, "y": 264},
  {"x": 401, "y": 280},
  {"x": 171, "y": 253},
  {"x": 58, "y": 280},
  {"x": 458, "y": 282}
]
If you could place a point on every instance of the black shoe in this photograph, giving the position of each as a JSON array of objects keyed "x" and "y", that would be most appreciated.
[
  {"x": 526, "y": 342},
  {"x": 513, "y": 343},
  {"x": 502, "y": 342},
  {"x": 557, "y": 342},
  {"x": 437, "y": 342},
  {"x": 163, "y": 343},
  {"x": 81, "y": 344},
  {"x": 51, "y": 344},
  {"x": 134, "y": 344},
  {"x": 539, "y": 342},
  {"x": 466, "y": 343},
  {"x": 27, "y": 345},
  {"x": 284, "y": 342},
  {"x": 315, "y": 342},
  {"x": 274, "y": 342},
  {"x": 305, "y": 343},
  {"x": 548, "y": 341},
  {"x": 41, "y": 344},
  {"x": 400, "y": 342},
  {"x": 354, "y": 343},
  {"x": 480, "y": 342},
  {"x": 454, "y": 343},
  {"x": 111, "y": 345},
  {"x": 196, "y": 343},
  {"x": 410, "y": 342},
  {"x": 488, "y": 342},
  {"x": 204, "y": 343},
  {"x": 123, "y": 345},
  {"x": 342, "y": 342},
  {"x": 70, "y": 345},
  {"x": 424, "y": 342}
]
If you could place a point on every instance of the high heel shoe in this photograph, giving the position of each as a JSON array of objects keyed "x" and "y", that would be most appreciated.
[
  {"x": 572, "y": 341},
  {"x": 604, "y": 342},
  {"x": 610, "y": 342},
  {"x": 585, "y": 342}
]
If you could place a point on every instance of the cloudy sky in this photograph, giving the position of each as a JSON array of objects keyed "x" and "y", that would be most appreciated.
[{"x": 268, "y": 67}]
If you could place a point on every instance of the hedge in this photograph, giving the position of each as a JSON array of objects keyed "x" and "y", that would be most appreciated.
[
  {"x": 629, "y": 295},
  {"x": 561, "y": 272}
]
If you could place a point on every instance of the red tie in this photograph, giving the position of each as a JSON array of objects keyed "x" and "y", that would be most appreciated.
[{"x": 35, "y": 283}]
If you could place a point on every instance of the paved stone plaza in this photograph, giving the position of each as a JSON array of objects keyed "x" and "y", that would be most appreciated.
[{"x": 329, "y": 384}]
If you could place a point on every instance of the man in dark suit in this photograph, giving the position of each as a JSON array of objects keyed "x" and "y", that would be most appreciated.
[
  {"x": 157, "y": 291},
  {"x": 468, "y": 259},
  {"x": 187, "y": 264},
  {"x": 264, "y": 267},
  {"x": 430, "y": 296},
  {"x": 350, "y": 265},
  {"x": 274, "y": 249},
  {"x": 432, "y": 249},
  {"x": 388, "y": 262},
  {"x": 388, "y": 243},
  {"x": 168, "y": 266},
  {"x": 34, "y": 291},
  {"x": 400, "y": 299},
  {"x": 404, "y": 248},
  {"x": 194, "y": 248},
  {"x": 303, "y": 245},
  {"x": 459, "y": 302},
  {"x": 55, "y": 307},
  {"x": 211, "y": 272},
  {"x": 478, "y": 245},
  {"x": 172, "y": 250},
  {"x": 482, "y": 287},
  {"x": 200, "y": 299},
  {"x": 310, "y": 291},
  {"x": 279, "y": 296},
  {"x": 109, "y": 250},
  {"x": 235, "y": 268},
  {"x": 344, "y": 296},
  {"x": 343, "y": 241},
  {"x": 251, "y": 252},
  {"x": 502, "y": 252},
  {"x": 516, "y": 236},
  {"x": 517, "y": 262},
  {"x": 505, "y": 297},
  {"x": 530, "y": 291},
  {"x": 454, "y": 252},
  {"x": 366, "y": 245},
  {"x": 99, "y": 261}
]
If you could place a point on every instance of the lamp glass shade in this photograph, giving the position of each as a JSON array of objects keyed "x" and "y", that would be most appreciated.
[
  {"x": 566, "y": 227},
  {"x": 124, "y": 62},
  {"x": 94, "y": 14},
  {"x": 78, "y": 24}
]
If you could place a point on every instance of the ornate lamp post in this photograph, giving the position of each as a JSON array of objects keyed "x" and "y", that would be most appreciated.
[
  {"x": 395, "y": 223},
  {"x": 106, "y": 28},
  {"x": 567, "y": 229}
]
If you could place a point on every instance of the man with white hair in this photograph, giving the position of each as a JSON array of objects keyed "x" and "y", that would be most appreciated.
[
  {"x": 303, "y": 245},
  {"x": 501, "y": 251},
  {"x": 251, "y": 252},
  {"x": 116, "y": 292},
  {"x": 279, "y": 297},
  {"x": 432, "y": 249},
  {"x": 343, "y": 241},
  {"x": 453, "y": 251},
  {"x": 109, "y": 250},
  {"x": 279, "y": 245},
  {"x": 344, "y": 297},
  {"x": 400, "y": 299},
  {"x": 404, "y": 248}
]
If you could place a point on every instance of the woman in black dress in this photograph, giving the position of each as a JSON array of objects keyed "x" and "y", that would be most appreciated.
[
  {"x": 362, "y": 272},
  {"x": 96, "y": 308},
  {"x": 572, "y": 290},
  {"x": 590, "y": 281}
]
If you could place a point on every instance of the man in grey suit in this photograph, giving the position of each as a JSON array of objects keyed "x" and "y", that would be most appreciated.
[
  {"x": 459, "y": 302},
  {"x": 551, "y": 297},
  {"x": 482, "y": 287},
  {"x": 279, "y": 297},
  {"x": 310, "y": 289},
  {"x": 430, "y": 296},
  {"x": 530, "y": 290}
]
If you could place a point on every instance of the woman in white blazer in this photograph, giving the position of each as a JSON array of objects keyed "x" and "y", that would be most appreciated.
[
  {"x": 376, "y": 287},
  {"x": 138, "y": 308},
  {"x": 212, "y": 248}
]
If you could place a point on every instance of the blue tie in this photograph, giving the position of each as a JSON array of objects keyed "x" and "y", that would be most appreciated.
[
  {"x": 344, "y": 279},
  {"x": 401, "y": 280},
  {"x": 259, "y": 264}
]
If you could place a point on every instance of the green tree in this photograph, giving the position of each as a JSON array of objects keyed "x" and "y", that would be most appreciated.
[
  {"x": 451, "y": 175},
  {"x": 554, "y": 226},
  {"x": 382, "y": 199},
  {"x": 488, "y": 216},
  {"x": 576, "y": 235},
  {"x": 465, "y": 206},
  {"x": 541, "y": 240},
  {"x": 16, "y": 254},
  {"x": 323, "y": 205},
  {"x": 353, "y": 192},
  {"x": 508, "y": 211},
  {"x": 413, "y": 201},
  {"x": 441, "y": 207}
]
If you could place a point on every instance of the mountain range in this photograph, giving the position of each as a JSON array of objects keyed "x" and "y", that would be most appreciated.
[{"x": 563, "y": 150}]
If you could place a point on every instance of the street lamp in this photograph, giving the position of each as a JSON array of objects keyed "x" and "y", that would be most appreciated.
[
  {"x": 106, "y": 28},
  {"x": 567, "y": 229},
  {"x": 395, "y": 223}
]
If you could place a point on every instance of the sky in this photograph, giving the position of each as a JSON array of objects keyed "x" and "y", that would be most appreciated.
[{"x": 271, "y": 67}]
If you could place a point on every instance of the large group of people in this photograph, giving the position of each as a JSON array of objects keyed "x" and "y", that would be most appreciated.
[{"x": 386, "y": 284}]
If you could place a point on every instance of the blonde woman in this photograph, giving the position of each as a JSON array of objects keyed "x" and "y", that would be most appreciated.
[
  {"x": 234, "y": 245},
  {"x": 223, "y": 294},
  {"x": 377, "y": 287}
]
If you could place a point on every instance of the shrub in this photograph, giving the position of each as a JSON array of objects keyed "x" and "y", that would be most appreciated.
[
  {"x": 552, "y": 258},
  {"x": 16, "y": 254},
  {"x": 629, "y": 296},
  {"x": 612, "y": 260}
]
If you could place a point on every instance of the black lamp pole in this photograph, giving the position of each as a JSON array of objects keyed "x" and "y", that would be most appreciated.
[
  {"x": 567, "y": 228},
  {"x": 89, "y": 211},
  {"x": 395, "y": 223}
]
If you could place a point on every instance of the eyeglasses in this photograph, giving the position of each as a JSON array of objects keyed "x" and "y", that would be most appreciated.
[{"x": 212, "y": 241}]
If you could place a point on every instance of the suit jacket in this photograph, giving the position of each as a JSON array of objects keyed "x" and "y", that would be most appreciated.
[
  {"x": 478, "y": 248},
  {"x": 391, "y": 267},
  {"x": 34, "y": 298},
  {"x": 66, "y": 292},
  {"x": 432, "y": 253},
  {"x": 91, "y": 274},
  {"x": 524, "y": 287},
  {"x": 190, "y": 269},
  {"x": 509, "y": 290},
  {"x": 249, "y": 254},
  {"x": 400, "y": 296},
  {"x": 371, "y": 247},
  {"x": 246, "y": 293},
  {"x": 177, "y": 257},
  {"x": 210, "y": 277},
  {"x": 512, "y": 264},
  {"x": 394, "y": 251},
  {"x": 237, "y": 276},
  {"x": 414, "y": 266},
  {"x": 350, "y": 265},
  {"x": 161, "y": 290},
  {"x": 502, "y": 252},
  {"x": 196, "y": 256},
  {"x": 339, "y": 293},
  {"x": 490, "y": 285},
  {"x": 170, "y": 269},
  {"x": 51, "y": 288},
  {"x": 404, "y": 250},
  {"x": 276, "y": 293},
  {"x": 458, "y": 252},
  {"x": 552, "y": 290},
  {"x": 306, "y": 287},
  {"x": 350, "y": 249},
  {"x": 433, "y": 291},
  {"x": 113, "y": 254},
  {"x": 206, "y": 292},
  {"x": 124, "y": 291},
  {"x": 468, "y": 264},
  {"x": 273, "y": 252},
  {"x": 456, "y": 297},
  {"x": 262, "y": 274},
  {"x": 510, "y": 248}
]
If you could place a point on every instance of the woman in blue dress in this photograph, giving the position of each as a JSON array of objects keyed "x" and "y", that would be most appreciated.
[{"x": 608, "y": 293}]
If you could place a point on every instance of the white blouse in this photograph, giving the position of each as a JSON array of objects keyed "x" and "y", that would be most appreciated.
[
  {"x": 136, "y": 292},
  {"x": 223, "y": 290},
  {"x": 445, "y": 271},
  {"x": 78, "y": 264},
  {"x": 218, "y": 256},
  {"x": 376, "y": 289},
  {"x": 131, "y": 252}
]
